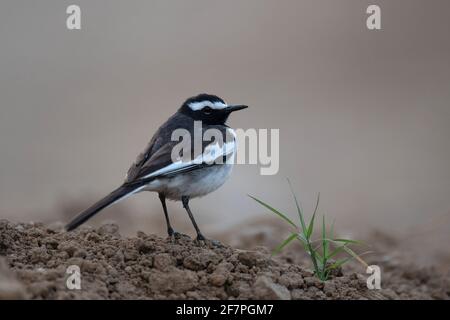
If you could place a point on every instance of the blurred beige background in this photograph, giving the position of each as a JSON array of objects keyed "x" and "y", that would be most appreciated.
[{"x": 363, "y": 115}]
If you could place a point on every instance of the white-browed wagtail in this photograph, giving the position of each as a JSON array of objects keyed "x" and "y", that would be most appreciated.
[{"x": 182, "y": 178}]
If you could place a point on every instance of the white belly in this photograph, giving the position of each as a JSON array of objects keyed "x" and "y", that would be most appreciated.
[
  {"x": 198, "y": 182},
  {"x": 193, "y": 184}
]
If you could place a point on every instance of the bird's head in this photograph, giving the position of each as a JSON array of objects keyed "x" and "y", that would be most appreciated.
[{"x": 209, "y": 109}]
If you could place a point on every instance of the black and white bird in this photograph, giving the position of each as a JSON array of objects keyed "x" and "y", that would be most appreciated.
[{"x": 187, "y": 175}]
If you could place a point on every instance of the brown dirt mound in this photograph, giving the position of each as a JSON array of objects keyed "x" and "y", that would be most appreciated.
[{"x": 34, "y": 259}]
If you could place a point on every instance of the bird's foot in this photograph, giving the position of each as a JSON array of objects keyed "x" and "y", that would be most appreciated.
[
  {"x": 200, "y": 237},
  {"x": 176, "y": 235},
  {"x": 210, "y": 242}
]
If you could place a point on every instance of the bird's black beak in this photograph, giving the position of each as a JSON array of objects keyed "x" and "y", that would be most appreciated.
[{"x": 232, "y": 108}]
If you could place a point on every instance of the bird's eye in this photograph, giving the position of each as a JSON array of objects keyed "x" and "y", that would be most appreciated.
[{"x": 207, "y": 110}]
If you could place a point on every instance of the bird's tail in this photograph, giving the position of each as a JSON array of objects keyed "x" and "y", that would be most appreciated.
[{"x": 115, "y": 196}]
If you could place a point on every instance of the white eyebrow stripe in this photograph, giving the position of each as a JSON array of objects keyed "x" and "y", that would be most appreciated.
[{"x": 213, "y": 105}]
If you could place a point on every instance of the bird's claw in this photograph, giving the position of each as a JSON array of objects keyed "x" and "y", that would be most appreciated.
[{"x": 210, "y": 242}]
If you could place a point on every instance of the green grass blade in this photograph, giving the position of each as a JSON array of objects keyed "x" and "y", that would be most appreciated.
[
  {"x": 285, "y": 243},
  {"x": 335, "y": 251},
  {"x": 311, "y": 222},
  {"x": 344, "y": 260},
  {"x": 354, "y": 255},
  {"x": 301, "y": 237},
  {"x": 303, "y": 241},
  {"x": 299, "y": 210},
  {"x": 320, "y": 264},
  {"x": 310, "y": 227},
  {"x": 350, "y": 251},
  {"x": 320, "y": 250},
  {"x": 325, "y": 242},
  {"x": 318, "y": 255},
  {"x": 281, "y": 215},
  {"x": 346, "y": 241},
  {"x": 331, "y": 233},
  {"x": 317, "y": 203},
  {"x": 339, "y": 263}
]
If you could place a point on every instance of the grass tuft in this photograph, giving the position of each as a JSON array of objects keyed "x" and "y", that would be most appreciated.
[{"x": 325, "y": 249}]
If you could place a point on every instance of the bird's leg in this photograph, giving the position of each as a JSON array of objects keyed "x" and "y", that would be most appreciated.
[
  {"x": 185, "y": 201},
  {"x": 162, "y": 197}
]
